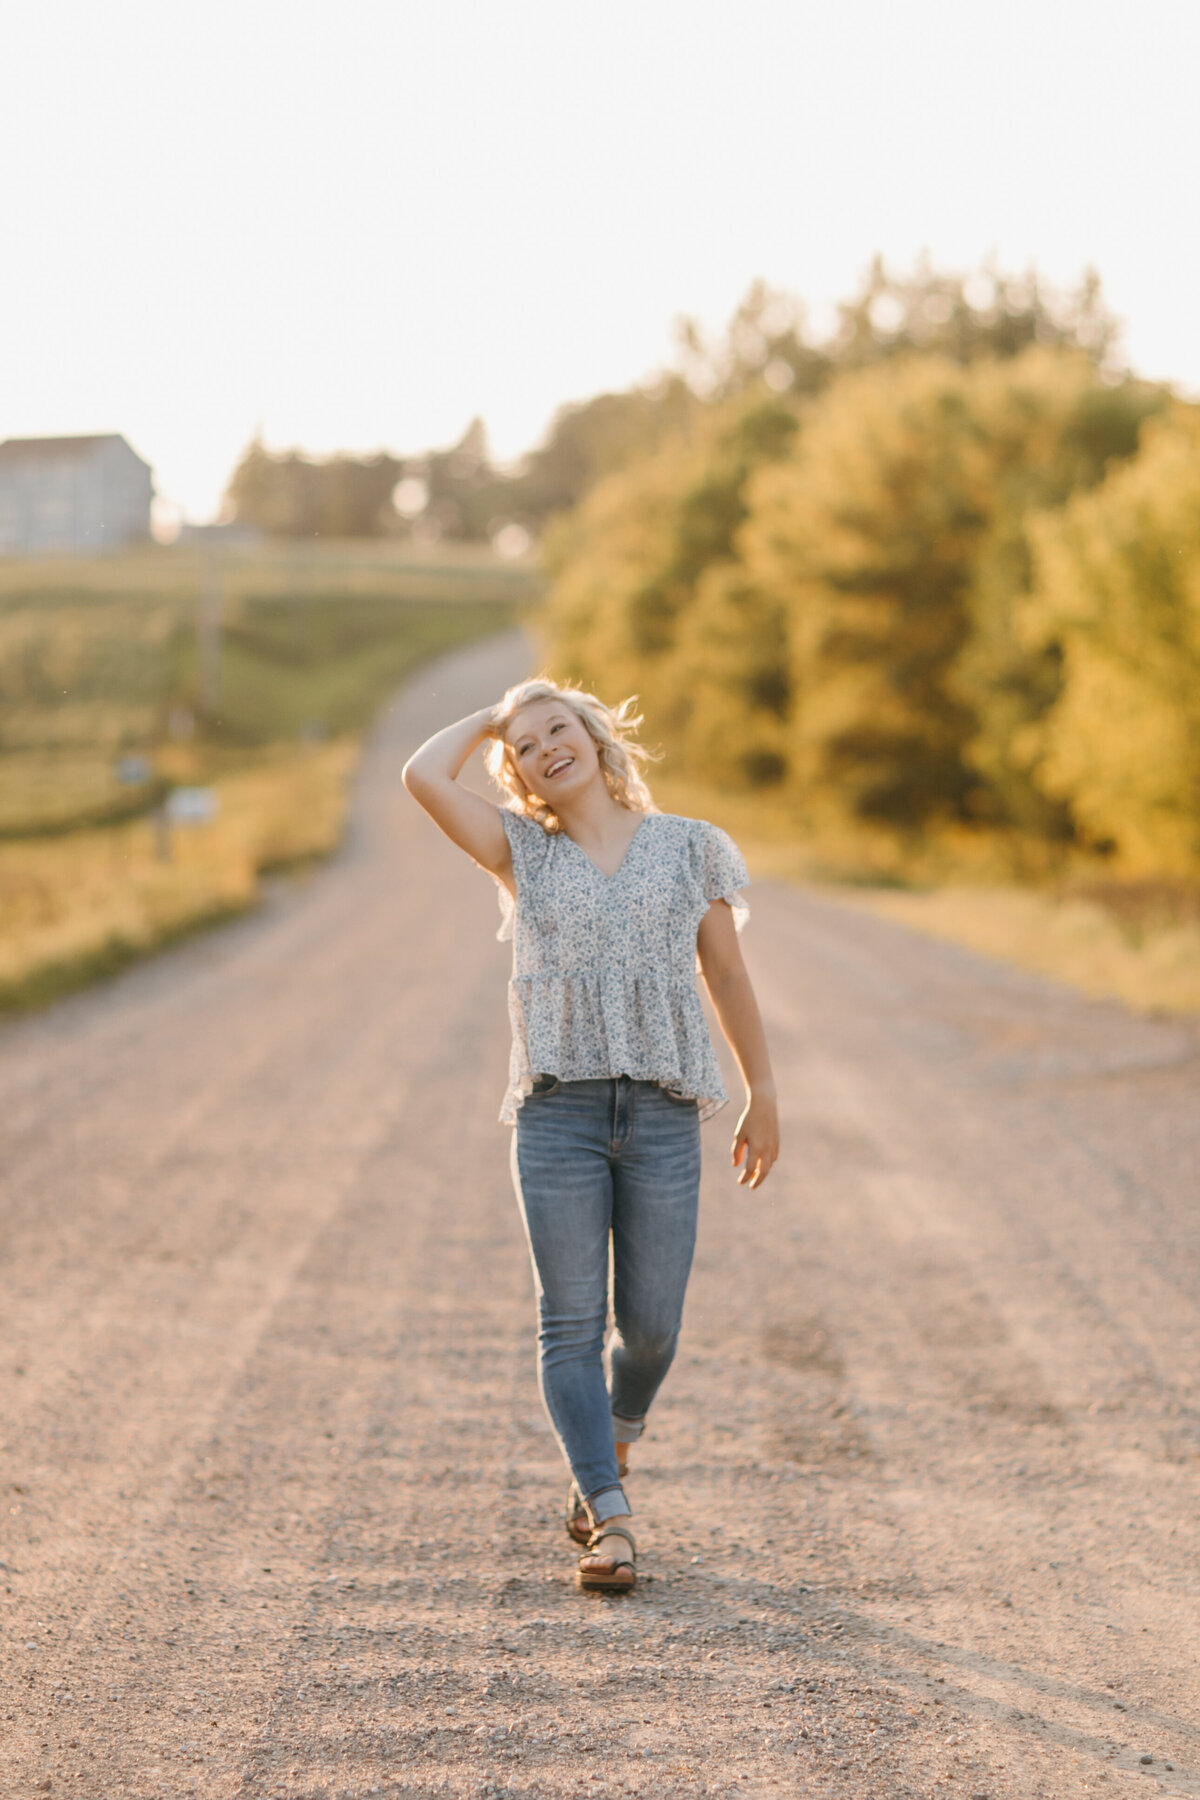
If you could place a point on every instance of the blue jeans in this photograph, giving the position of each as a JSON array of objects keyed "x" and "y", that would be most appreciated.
[{"x": 593, "y": 1159}]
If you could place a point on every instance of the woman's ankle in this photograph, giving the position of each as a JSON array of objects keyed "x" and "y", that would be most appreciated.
[{"x": 619, "y": 1526}]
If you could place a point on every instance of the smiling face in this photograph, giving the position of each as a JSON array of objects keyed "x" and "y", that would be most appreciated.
[{"x": 552, "y": 751}]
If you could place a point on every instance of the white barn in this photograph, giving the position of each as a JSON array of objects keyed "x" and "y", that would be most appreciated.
[{"x": 72, "y": 495}]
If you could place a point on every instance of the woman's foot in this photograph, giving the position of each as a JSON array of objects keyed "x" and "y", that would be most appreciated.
[{"x": 610, "y": 1561}]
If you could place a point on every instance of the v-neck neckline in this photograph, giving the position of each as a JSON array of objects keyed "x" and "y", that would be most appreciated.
[{"x": 595, "y": 867}]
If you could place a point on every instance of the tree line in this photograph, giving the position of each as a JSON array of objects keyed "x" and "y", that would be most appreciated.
[
  {"x": 938, "y": 567},
  {"x": 941, "y": 570},
  {"x": 457, "y": 495},
  {"x": 460, "y": 494}
]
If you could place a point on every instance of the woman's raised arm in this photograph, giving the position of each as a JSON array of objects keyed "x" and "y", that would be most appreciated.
[{"x": 468, "y": 820}]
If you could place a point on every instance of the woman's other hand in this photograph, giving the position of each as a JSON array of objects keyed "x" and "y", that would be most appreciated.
[{"x": 756, "y": 1143}]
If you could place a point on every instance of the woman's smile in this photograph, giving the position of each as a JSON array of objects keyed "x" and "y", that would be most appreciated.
[{"x": 551, "y": 747}]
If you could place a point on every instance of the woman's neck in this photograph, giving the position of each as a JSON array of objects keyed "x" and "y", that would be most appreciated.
[{"x": 595, "y": 818}]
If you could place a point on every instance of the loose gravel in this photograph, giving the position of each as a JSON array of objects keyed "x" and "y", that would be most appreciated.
[{"x": 282, "y": 1514}]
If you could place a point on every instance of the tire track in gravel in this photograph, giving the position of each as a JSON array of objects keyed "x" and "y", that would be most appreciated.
[{"x": 280, "y": 1506}]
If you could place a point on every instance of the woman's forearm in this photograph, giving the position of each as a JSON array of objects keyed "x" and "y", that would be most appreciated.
[
  {"x": 755, "y": 1145},
  {"x": 737, "y": 1012},
  {"x": 442, "y": 756},
  {"x": 470, "y": 821}
]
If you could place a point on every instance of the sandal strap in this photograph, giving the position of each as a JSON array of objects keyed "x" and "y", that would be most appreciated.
[{"x": 603, "y": 1531}]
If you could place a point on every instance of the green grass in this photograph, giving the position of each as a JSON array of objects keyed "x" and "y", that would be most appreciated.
[
  {"x": 100, "y": 660},
  {"x": 325, "y": 664},
  {"x": 232, "y": 651}
]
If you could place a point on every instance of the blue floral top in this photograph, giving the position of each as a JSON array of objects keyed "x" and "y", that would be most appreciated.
[{"x": 604, "y": 967}]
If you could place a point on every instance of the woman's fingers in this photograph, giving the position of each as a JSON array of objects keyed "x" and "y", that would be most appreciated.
[
  {"x": 754, "y": 1151},
  {"x": 756, "y": 1163}
]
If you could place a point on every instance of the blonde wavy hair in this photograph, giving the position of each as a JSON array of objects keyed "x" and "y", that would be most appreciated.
[{"x": 611, "y": 729}]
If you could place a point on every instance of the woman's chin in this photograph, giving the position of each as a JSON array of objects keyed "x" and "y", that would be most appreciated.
[{"x": 564, "y": 790}]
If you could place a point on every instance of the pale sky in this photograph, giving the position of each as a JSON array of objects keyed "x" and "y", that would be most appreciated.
[{"x": 354, "y": 226}]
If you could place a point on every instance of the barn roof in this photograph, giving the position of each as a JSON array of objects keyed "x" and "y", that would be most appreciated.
[{"x": 56, "y": 448}]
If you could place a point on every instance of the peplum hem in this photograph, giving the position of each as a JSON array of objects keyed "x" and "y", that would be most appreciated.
[{"x": 592, "y": 1025}]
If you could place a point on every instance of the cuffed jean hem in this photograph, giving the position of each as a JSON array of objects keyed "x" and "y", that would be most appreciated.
[
  {"x": 627, "y": 1431},
  {"x": 608, "y": 1504}
]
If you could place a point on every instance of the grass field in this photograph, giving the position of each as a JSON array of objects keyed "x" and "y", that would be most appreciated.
[
  {"x": 1152, "y": 963},
  {"x": 1133, "y": 941},
  {"x": 252, "y": 673}
]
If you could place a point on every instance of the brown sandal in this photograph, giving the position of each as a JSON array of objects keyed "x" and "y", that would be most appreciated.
[
  {"x": 621, "y": 1573},
  {"x": 578, "y": 1520}
]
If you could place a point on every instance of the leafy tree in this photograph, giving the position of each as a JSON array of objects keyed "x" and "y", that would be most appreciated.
[
  {"x": 732, "y": 681},
  {"x": 1117, "y": 591},
  {"x": 866, "y": 536},
  {"x": 588, "y": 441},
  {"x": 461, "y": 486},
  {"x": 599, "y": 557},
  {"x": 766, "y": 342},
  {"x": 968, "y": 318},
  {"x": 286, "y": 494},
  {"x": 768, "y": 347},
  {"x": 709, "y": 510},
  {"x": 817, "y": 577},
  {"x": 629, "y": 563},
  {"x": 893, "y": 537},
  {"x": 1056, "y": 431}
]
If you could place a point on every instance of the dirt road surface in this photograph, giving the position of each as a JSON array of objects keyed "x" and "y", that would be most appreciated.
[{"x": 280, "y": 1509}]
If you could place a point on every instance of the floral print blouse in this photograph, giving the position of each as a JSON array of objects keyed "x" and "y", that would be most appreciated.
[{"x": 604, "y": 967}]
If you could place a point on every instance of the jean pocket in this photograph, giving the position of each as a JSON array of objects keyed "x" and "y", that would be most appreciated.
[
  {"x": 678, "y": 1099},
  {"x": 544, "y": 1084}
]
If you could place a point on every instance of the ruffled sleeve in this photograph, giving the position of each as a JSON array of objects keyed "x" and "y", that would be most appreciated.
[{"x": 724, "y": 872}]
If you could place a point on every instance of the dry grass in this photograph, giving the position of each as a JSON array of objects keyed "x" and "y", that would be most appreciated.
[
  {"x": 1132, "y": 941},
  {"x": 1153, "y": 966},
  {"x": 45, "y": 791},
  {"x": 75, "y": 907}
]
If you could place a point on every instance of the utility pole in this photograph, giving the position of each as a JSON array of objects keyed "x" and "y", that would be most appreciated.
[{"x": 208, "y": 633}]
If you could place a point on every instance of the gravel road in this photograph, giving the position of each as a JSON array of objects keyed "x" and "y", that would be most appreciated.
[{"x": 281, "y": 1512}]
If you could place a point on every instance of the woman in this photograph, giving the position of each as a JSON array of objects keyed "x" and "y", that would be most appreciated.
[{"x": 610, "y": 903}]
